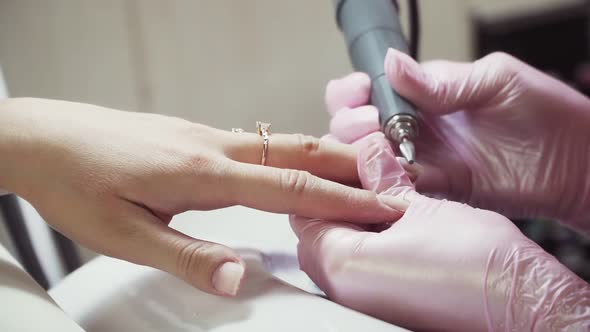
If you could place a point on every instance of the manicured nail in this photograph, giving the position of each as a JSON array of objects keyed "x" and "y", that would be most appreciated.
[
  {"x": 228, "y": 277},
  {"x": 393, "y": 202}
]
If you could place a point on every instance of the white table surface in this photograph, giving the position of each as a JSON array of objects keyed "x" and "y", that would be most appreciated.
[{"x": 112, "y": 295}]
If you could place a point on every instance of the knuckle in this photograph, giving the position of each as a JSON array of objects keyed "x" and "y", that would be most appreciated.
[
  {"x": 308, "y": 144},
  {"x": 196, "y": 131},
  {"x": 296, "y": 181},
  {"x": 198, "y": 160},
  {"x": 204, "y": 166},
  {"x": 501, "y": 61},
  {"x": 499, "y": 57},
  {"x": 192, "y": 257},
  {"x": 502, "y": 72}
]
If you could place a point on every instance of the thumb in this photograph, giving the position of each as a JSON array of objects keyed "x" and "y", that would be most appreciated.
[
  {"x": 443, "y": 86},
  {"x": 144, "y": 239},
  {"x": 324, "y": 248}
]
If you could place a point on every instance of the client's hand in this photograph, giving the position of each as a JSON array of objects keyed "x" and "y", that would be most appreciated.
[
  {"x": 112, "y": 181},
  {"x": 442, "y": 266},
  {"x": 496, "y": 133}
]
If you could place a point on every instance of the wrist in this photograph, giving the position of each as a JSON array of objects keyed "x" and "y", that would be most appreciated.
[
  {"x": 577, "y": 213},
  {"x": 568, "y": 159},
  {"x": 579, "y": 218},
  {"x": 530, "y": 290}
]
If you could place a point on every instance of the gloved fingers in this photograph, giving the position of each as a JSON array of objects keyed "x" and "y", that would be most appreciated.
[
  {"x": 356, "y": 125},
  {"x": 310, "y": 229},
  {"x": 324, "y": 246},
  {"x": 382, "y": 172},
  {"x": 352, "y": 91},
  {"x": 140, "y": 237},
  {"x": 429, "y": 179},
  {"x": 441, "y": 86},
  {"x": 379, "y": 170},
  {"x": 299, "y": 192},
  {"x": 352, "y": 124}
]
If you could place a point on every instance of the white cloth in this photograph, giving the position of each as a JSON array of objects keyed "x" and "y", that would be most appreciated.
[
  {"x": 112, "y": 295},
  {"x": 26, "y": 307}
]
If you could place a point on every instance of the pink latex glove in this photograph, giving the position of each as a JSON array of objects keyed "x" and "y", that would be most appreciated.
[
  {"x": 497, "y": 133},
  {"x": 443, "y": 266}
]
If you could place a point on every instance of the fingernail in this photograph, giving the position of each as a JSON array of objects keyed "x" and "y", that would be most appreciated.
[
  {"x": 395, "y": 203},
  {"x": 227, "y": 278}
]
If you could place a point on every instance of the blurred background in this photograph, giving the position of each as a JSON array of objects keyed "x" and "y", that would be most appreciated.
[{"x": 228, "y": 63}]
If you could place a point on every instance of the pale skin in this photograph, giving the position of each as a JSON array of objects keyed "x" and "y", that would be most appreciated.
[{"x": 113, "y": 180}]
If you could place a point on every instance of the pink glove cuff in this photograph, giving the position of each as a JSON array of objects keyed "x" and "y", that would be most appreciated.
[{"x": 529, "y": 290}]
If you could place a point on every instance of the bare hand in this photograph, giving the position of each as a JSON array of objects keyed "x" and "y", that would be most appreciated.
[{"x": 112, "y": 181}]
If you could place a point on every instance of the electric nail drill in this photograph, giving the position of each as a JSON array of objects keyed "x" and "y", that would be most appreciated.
[{"x": 370, "y": 28}]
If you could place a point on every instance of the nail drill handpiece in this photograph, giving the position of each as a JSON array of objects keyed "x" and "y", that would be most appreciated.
[{"x": 370, "y": 28}]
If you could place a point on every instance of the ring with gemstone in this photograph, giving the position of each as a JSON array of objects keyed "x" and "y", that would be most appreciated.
[{"x": 263, "y": 129}]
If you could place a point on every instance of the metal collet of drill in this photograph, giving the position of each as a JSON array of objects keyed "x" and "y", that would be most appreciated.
[{"x": 370, "y": 28}]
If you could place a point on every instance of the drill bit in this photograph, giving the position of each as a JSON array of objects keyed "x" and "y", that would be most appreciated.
[
  {"x": 401, "y": 129},
  {"x": 406, "y": 147}
]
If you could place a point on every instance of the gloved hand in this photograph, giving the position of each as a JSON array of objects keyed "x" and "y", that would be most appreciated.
[
  {"x": 442, "y": 266},
  {"x": 496, "y": 133}
]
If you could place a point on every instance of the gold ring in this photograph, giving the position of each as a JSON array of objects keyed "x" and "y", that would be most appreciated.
[{"x": 263, "y": 129}]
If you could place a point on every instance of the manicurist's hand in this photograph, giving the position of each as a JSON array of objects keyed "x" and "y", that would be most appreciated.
[
  {"x": 495, "y": 133},
  {"x": 112, "y": 180},
  {"x": 443, "y": 266}
]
